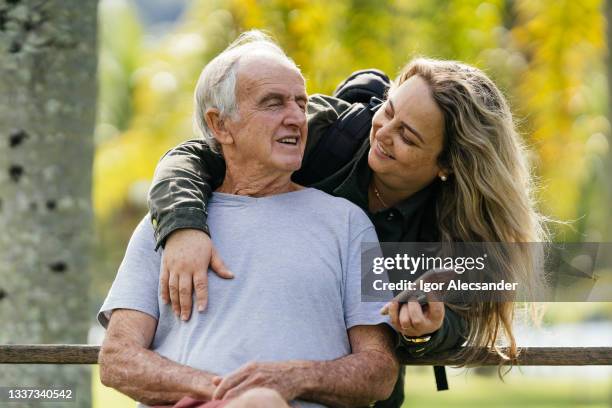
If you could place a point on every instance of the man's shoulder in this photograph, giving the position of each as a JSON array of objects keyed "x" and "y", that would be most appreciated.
[
  {"x": 338, "y": 206},
  {"x": 143, "y": 237},
  {"x": 324, "y": 198}
]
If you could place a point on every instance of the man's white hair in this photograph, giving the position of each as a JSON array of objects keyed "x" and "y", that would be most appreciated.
[{"x": 216, "y": 87}]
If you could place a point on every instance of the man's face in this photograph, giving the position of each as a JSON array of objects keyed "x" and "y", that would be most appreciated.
[{"x": 270, "y": 131}]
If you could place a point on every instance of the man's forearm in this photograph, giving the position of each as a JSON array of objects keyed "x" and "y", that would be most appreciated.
[
  {"x": 354, "y": 380},
  {"x": 150, "y": 378}
]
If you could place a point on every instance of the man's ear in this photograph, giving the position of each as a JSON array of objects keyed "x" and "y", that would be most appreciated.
[{"x": 217, "y": 125}]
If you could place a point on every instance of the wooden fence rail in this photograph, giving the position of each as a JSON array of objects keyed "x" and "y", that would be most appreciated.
[{"x": 530, "y": 356}]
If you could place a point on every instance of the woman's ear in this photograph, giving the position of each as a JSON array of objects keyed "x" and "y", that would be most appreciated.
[{"x": 217, "y": 125}]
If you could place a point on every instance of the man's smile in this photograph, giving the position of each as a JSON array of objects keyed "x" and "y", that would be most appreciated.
[{"x": 289, "y": 140}]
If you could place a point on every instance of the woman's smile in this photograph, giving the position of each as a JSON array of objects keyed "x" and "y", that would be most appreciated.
[{"x": 381, "y": 152}]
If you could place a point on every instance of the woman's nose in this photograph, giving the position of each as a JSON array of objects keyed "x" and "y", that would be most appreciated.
[{"x": 384, "y": 134}]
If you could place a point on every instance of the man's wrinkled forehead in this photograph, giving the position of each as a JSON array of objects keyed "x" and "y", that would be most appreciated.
[{"x": 266, "y": 69}]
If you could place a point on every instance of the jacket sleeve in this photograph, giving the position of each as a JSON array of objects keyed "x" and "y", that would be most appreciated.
[
  {"x": 323, "y": 111},
  {"x": 182, "y": 184},
  {"x": 452, "y": 334}
]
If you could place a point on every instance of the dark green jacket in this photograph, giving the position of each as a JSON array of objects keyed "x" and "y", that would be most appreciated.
[{"x": 188, "y": 174}]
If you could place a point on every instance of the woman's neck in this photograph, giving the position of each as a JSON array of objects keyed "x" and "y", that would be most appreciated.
[{"x": 381, "y": 196}]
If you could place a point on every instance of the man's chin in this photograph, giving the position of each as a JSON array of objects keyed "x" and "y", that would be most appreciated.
[{"x": 290, "y": 165}]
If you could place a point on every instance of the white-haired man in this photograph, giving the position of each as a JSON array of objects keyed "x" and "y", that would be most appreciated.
[{"x": 291, "y": 320}]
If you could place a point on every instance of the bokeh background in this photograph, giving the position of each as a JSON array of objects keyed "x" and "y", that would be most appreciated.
[{"x": 549, "y": 57}]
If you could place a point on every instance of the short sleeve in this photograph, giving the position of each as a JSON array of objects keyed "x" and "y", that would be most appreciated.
[
  {"x": 137, "y": 281},
  {"x": 356, "y": 311}
]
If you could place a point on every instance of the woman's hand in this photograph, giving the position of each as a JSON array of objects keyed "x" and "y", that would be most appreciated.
[
  {"x": 412, "y": 320},
  {"x": 186, "y": 258}
]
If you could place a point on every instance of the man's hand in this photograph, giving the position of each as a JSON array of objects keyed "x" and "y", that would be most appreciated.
[
  {"x": 284, "y": 377},
  {"x": 412, "y": 320},
  {"x": 187, "y": 256}
]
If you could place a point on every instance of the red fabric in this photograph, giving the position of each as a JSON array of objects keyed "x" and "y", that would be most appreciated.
[{"x": 188, "y": 402}]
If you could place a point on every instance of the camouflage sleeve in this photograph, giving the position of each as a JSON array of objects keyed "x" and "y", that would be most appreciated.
[{"x": 182, "y": 184}]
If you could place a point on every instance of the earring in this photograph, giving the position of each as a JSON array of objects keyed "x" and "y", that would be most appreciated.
[{"x": 443, "y": 177}]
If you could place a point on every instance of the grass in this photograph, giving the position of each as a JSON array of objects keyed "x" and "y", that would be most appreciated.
[{"x": 468, "y": 389}]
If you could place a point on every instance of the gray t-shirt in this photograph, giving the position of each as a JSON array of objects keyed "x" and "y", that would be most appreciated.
[{"x": 296, "y": 291}]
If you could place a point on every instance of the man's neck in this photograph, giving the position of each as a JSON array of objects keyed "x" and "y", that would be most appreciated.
[{"x": 256, "y": 182}]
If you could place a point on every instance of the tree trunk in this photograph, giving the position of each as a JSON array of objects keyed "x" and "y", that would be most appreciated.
[
  {"x": 47, "y": 111},
  {"x": 607, "y": 233}
]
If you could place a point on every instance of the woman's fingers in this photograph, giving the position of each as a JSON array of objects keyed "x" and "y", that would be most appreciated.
[
  {"x": 185, "y": 295},
  {"x": 164, "y": 282},
  {"x": 394, "y": 315},
  {"x": 173, "y": 288},
  {"x": 410, "y": 319},
  {"x": 413, "y": 320},
  {"x": 404, "y": 318},
  {"x": 417, "y": 319},
  {"x": 217, "y": 265},
  {"x": 384, "y": 310},
  {"x": 435, "y": 313},
  {"x": 200, "y": 284},
  {"x": 187, "y": 256}
]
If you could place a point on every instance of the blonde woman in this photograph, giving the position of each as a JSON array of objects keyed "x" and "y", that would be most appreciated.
[{"x": 442, "y": 162}]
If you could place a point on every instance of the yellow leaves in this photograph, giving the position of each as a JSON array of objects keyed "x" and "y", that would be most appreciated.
[
  {"x": 563, "y": 41},
  {"x": 118, "y": 164},
  {"x": 248, "y": 12},
  {"x": 131, "y": 158}
]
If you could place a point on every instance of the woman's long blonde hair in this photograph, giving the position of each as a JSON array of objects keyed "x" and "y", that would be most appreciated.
[{"x": 489, "y": 195}]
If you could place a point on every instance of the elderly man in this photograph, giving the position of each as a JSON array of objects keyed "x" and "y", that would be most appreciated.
[{"x": 291, "y": 320}]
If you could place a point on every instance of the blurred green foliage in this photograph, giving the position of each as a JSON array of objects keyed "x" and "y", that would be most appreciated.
[{"x": 547, "y": 56}]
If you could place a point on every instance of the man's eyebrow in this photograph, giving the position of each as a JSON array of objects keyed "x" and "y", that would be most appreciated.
[
  {"x": 281, "y": 97},
  {"x": 270, "y": 96},
  {"x": 407, "y": 126}
]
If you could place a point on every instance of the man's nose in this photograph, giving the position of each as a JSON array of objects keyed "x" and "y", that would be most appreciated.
[{"x": 295, "y": 116}]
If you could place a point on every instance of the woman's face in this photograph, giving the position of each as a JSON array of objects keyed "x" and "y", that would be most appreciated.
[{"x": 406, "y": 138}]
